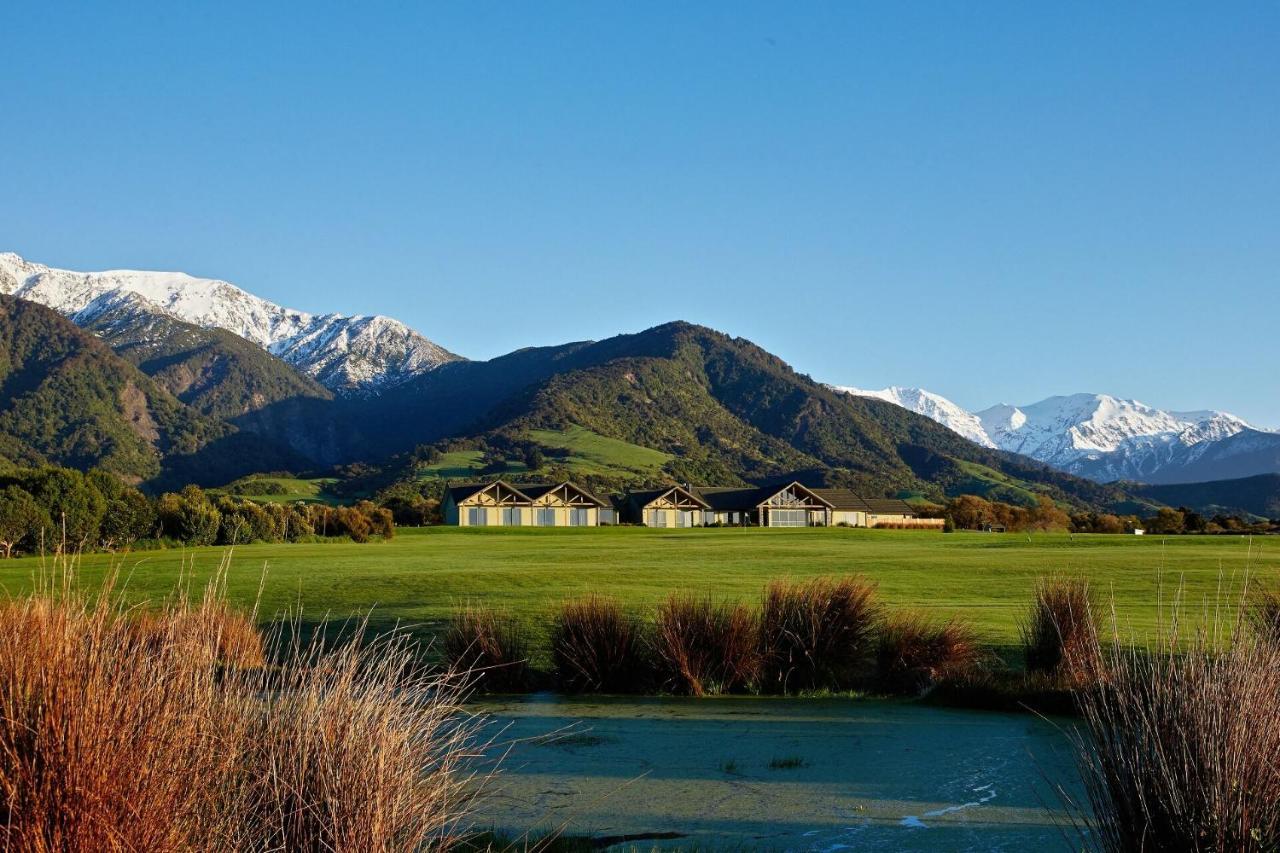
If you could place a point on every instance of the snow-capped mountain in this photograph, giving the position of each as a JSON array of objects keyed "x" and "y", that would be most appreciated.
[
  {"x": 347, "y": 354},
  {"x": 930, "y": 405},
  {"x": 1106, "y": 438}
]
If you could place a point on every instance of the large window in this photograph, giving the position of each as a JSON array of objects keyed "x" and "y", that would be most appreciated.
[
  {"x": 657, "y": 518},
  {"x": 685, "y": 519},
  {"x": 579, "y": 517},
  {"x": 477, "y": 516},
  {"x": 788, "y": 517},
  {"x": 546, "y": 517},
  {"x": 511, "y": 516}
]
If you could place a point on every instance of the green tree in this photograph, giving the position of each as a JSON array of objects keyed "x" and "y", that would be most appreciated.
[
  {"x": 130, "y": 516},
  {"x": 21, "y": 519},
  {"x": 74, "y": 505},
  {"x": 189, "y": 516}
]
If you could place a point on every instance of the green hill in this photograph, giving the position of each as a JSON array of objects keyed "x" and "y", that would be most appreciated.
[
  {"x": 721, "y": 409},
  {"x": 1258, "y": 496},
  {"x": 68, "y": 399}
]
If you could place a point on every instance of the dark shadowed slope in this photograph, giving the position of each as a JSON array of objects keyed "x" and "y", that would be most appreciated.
[{"x": 66, "y": 398}]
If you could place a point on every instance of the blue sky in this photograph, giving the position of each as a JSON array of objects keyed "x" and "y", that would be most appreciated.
[{"x": 997, "y": 202}]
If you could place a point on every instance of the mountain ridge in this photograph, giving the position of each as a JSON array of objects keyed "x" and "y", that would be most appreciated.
[
  {"x": 1106, "y": 438},
  {"x": 349, "y": 355}
]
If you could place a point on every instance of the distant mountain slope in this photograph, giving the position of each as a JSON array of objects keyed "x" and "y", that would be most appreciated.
[
  {"x": 345, "y": 354},
  {"x": 217, "y": 373},
  {"x": 66, "y": 398},
  {"x": 1106, "y": 438},
  {"x": 932, "y": 406},
  {"x": 725, "y": 409},
  {"x": 1258, "y": 495}
]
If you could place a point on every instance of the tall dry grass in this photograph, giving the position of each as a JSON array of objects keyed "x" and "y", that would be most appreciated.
[
  {"x": 489, "y": 644},
  {"x": 915, "y": 651},
  {"x": 166, "y": 732},
  {"x": 701, "y": 646},
  {"x": 816, "y": 634},
  {"x": 597, "y": 647},
  {"x": 1060, "y": 630},
  {"x": 1180, "y": 747}
]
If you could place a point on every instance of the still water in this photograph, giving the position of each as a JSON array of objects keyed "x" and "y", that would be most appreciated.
[{"x": 780, "y": 774}]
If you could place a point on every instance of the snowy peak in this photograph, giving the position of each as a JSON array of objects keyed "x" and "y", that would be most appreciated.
[
  {"x": 1093, "y": 435},
  {"x": 930, "y": 405},
  {"x": 1064, "y": 430},
  {"x": 347, "y": 354}
]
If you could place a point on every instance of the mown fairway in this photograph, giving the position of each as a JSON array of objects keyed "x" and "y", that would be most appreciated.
[{"x": 420, "y": 576}]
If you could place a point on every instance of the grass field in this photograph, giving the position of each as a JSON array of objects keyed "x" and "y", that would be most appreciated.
[
  {"x": 593, "y": 454},
  {"x": 294, "y": 489},
  {"x": 417, "y": 578}
]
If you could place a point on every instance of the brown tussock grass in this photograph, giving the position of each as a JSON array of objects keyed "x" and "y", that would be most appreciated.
[
  {"x": 817, "y": 633},
  {"x": 597, "y": 647},
  {"x": 166, "y": 732},
  {"x": 1060, "y": 630},
  {"x": 702, "y": 647},
  {"x": 489, "y": 644},
  {"x": 916, "y": 651},
  {"x": 1180, "y": 746}
]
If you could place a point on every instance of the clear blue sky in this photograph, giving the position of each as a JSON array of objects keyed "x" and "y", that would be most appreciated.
[{"x": 997, "y": 202}]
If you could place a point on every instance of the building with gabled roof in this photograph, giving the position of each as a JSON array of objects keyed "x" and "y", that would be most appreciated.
[{"x": 502, "y": 504}]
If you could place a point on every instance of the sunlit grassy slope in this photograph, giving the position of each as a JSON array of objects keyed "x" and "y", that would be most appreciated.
[{"x": 419, "y": 576}]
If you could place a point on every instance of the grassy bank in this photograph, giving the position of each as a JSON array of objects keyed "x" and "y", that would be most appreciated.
[{"x": 421, "y": 575}]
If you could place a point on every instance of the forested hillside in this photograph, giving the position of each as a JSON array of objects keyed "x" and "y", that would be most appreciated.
[{"x": 67, "y": 399}]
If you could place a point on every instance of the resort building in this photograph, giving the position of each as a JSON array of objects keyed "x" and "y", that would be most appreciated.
[
  {"x": 500, "y": 504},
  {"x": 789, "y": 505}
]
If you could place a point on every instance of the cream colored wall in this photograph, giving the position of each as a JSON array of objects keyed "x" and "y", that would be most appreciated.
[
  {"x": 492, "y": 515},
  {"x": 851, "y": 517}
]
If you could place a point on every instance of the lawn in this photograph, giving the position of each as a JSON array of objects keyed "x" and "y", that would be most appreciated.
[
  {"x": 294, "y": 489},
  {"x": 597, "y": 455},
  {"x": 418, "y": 577}
]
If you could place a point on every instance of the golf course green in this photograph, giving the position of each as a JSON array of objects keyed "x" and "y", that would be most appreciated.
[{"x": 418, "y": 578}]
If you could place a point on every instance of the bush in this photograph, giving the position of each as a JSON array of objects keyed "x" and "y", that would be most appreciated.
[
  {"x": 915, "y": 652},
  {"x": 596, "y": 647},
  {"x": 489, "y": 645},
  {"x": 701, "y": 647},
  {"x": 816, "y": 634},
  {"x": 1180, "y": 748},
  {"x": 1264, "y": 614},
  {"x": 1059, "y": 632},
  {"x": 122, "y": 736}
]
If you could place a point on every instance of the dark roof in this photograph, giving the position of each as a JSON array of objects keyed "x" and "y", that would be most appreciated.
[
  {"x": 842, "y": 499},
  {"x": 533, "y": 491},
  {"x": 889, "y": 506},
  {"x": 646, "y": 496},
  {"x": 530, "y": 491},
  {"x": 463, "y": 491},
  {"x": 728, "y": 498}
]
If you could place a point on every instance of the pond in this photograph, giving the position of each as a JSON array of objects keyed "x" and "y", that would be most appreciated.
[{"x": 779, "y": 774}]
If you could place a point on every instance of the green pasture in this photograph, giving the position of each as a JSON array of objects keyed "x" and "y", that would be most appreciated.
[
  {"x": 420, "y": 576},
  {"x": 290, "y": 489}
]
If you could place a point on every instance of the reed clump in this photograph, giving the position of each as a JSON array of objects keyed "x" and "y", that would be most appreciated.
[
  {"x": 701, "y": 646},
  {"x": 914, "y": 652},
  {"x": 1180, "y": 748},
  {"x": 1060, "y": 630},
  {"x": 169, "y": 732},
  {"x": 816, "y": 634},
  {"x": 597, "y": 647},
  {"x": 489, "y": 644}
]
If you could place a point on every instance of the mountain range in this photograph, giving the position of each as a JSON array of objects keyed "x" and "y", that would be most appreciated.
[
  {"x": 1105, "y": 438},
  {"x": 348, "y": 355},
  {"x": 166, "y": 378}
]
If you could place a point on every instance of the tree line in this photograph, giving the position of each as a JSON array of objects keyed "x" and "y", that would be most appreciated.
[
  {"x": 46, "y": 508},
  {"x": 970, "y": 512}
]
